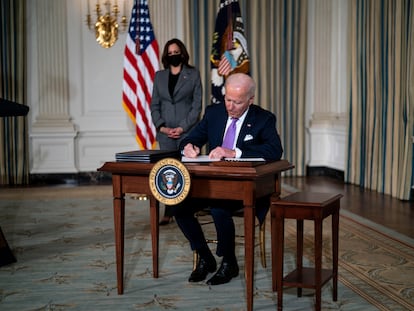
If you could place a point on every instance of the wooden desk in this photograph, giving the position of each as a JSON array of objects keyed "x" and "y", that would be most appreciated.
[{"x": 208, "y": 180}]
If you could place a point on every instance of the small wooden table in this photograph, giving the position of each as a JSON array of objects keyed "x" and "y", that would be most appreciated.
[
  {"x": 301, "y": 206},
  {"x": 208, "y": 180}
]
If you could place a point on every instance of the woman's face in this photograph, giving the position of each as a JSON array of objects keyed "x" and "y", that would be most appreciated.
[{"x": 173, "y": 49}]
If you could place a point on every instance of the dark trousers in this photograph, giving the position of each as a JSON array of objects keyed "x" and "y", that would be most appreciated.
[
  {"x": 222, "y": 214},
  {"x": 168, "y": 211}
]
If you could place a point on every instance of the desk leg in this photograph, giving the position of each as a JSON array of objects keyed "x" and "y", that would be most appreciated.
[
  {"x": 155, "y": 233},
  {"x": 274, "y": 226},
  {"x": 249, "y": 227},
  {"x": 299, "y": 253},
  {"x": 119, "y": 222},
  {"x": 280, "y": 246}
]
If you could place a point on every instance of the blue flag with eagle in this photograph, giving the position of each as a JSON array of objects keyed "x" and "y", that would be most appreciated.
[{"x": 229, "y": 51}]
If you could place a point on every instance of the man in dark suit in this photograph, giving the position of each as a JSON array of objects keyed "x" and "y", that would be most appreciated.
[{"x": 255, "y": 135}]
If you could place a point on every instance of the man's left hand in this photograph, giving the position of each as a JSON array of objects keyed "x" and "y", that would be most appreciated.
[{"x": 220, "y": 152}]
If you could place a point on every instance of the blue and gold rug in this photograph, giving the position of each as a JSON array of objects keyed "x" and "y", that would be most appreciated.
[{"x": 64, "y": 244}]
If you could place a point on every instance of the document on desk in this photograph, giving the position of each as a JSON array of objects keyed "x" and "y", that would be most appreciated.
[
  {"x": 245, "y": 159},
  {"x": 205, "y": 158},
  {"x": 199, "y": 159}
]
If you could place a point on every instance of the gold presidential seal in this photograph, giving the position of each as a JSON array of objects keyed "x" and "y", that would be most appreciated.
[{"x": 169, "y": 181}]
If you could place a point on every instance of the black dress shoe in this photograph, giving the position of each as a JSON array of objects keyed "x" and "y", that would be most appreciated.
[
  {"x": 224, "y": 274},
  {"x": 202, "y": 269}
]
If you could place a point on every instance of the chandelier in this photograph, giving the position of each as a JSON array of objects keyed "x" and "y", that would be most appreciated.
[{"x": 106, "y": 25}]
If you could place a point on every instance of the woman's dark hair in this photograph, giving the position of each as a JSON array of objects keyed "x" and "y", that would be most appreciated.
[{"x": 183, "y": 49}]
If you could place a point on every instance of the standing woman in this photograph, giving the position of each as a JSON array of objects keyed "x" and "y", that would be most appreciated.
[{"x": 176, "y": 100}]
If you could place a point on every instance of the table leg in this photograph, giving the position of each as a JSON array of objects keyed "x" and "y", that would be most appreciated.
[
  {"x": 274, "y": 244},
  {"x": 249, "y": 228},
  {"x": 119, "y": 224},
  {"x": 335, "y": 238},
  {"x": 318, "y": 262},
  {"x": 155, "y": 233}
]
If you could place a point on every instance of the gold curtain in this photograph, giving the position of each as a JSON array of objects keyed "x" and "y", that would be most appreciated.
[
  {"x": 381, "y": 91},
  {"x": 276, "y": 36},
  {"x": 14, "y": 164}
]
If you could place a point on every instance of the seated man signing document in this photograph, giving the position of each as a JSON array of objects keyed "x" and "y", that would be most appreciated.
[{"x": 235, "y": 129}]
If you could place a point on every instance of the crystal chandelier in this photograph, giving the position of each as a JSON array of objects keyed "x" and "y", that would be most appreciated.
[{"x": 106, "y": 26}]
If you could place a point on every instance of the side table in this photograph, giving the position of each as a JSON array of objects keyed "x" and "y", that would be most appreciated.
[{"x": 304, "y": 206}]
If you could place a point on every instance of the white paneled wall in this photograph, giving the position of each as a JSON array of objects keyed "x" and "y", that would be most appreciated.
[
  {"x": 327, "y": 148},
  {"x": 52, "y": 131},
  {"x": 77, "y": 121}
]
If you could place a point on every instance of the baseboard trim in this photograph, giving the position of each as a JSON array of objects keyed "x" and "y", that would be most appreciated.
[{"x": 324, "y": 171}]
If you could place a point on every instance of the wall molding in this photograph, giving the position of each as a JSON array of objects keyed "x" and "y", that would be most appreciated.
[{"x": 327, "y": 147}]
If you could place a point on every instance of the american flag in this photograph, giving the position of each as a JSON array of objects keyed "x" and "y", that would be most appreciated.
[
  {"x": 229, "y": 51},
  {"x": 140, "y": 64}
]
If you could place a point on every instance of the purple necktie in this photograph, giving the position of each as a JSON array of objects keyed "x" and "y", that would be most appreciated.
[{"x": 230, "y": 135}]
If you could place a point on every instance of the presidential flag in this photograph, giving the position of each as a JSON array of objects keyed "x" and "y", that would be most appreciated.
[
  {"x": 140, "y": 64},
  {"x": 229, "y": 52}
]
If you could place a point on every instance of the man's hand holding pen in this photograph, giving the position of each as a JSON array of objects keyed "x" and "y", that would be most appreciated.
[{"x": 191, "y": 151}]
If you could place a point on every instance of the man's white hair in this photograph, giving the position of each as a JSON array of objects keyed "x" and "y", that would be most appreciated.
[{"x": 242, "y": 80}]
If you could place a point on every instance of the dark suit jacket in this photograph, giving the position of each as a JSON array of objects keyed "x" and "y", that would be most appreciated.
[{"x": 258, "y": 135}]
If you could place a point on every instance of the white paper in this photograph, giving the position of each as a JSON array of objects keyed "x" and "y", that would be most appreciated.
[
  {"x": 200, "y": 158},
  {"x": 245, "y": 159},
  {"x": 205, "y": 158}
]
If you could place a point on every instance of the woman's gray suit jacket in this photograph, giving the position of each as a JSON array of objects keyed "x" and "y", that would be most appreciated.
[{"x": 183, "y": 109}]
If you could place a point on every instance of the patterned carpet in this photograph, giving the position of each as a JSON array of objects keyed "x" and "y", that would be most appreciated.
[{"x": 63, "y": 240}]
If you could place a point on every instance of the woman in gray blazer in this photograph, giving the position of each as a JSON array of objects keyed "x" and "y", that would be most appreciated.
[{"x": 176, "y": 100}]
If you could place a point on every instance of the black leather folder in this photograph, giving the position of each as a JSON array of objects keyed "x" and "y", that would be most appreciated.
[{"x": 146, "y": 156}]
